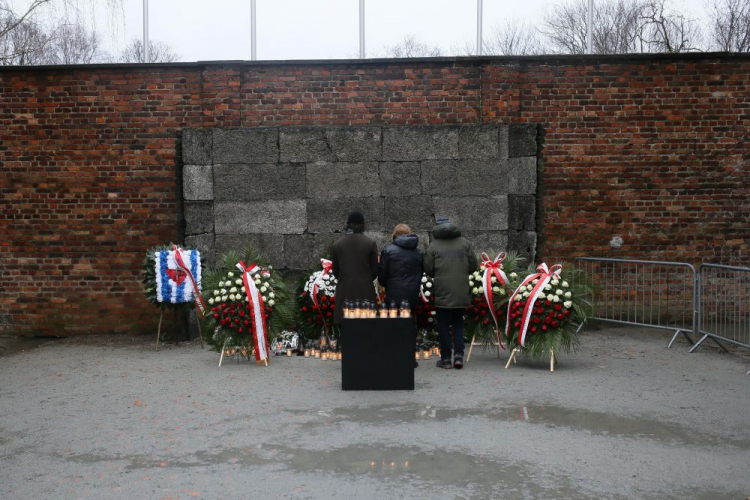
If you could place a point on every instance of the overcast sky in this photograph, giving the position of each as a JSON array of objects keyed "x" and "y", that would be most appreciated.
[{"x": 200, "y": 30}]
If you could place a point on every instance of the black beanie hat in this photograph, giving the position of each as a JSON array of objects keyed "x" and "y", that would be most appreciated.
[{"x": 356, "y": 217}]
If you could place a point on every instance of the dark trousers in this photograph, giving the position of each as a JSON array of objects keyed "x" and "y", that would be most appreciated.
[{"x": 447, "y": 318}]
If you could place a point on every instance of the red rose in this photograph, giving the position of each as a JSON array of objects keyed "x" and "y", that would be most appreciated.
[
  {"x": 544, "y": 328},
  {"x": 555, "y": 324},
  {"x": 486, "y": 321}
]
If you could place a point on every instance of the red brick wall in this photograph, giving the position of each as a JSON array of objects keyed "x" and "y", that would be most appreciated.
[{"x": 652, "y": 149}]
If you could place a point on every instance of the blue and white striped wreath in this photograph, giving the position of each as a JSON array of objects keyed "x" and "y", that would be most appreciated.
[{"x": 172, "y": 283}]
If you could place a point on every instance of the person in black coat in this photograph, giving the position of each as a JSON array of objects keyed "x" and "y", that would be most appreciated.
[{"x": 400, "y": 268}]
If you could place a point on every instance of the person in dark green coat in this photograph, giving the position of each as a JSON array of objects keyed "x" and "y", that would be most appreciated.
[{"x": 449, "y": 260}]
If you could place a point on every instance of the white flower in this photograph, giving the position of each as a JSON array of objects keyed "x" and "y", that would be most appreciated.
[
  {"x": 211, "y": 301},
  {"x": 271, "y": 302},
  {"x": 216, "y": 292},
  {"x": 430, "y": 320},
  {"x": 242, "y": 289},
  {"x": 432, "y": 313},
  {"x": 424, "y": 279},
  {"x": 548, "y": 287},
  {"x": 272, "y": 294},
  {"x": 266, "y": 284},
  {"x": 471, "y": 283},
  {"x": 257, "y": 281},
  {"x": 529, "y": 287},
  {"x": 502, "y": 291},
  {"x": 568, "y": 304},
  {"x": 238, "y": 282},
  {"x": 568, "y": 295},
  {"x": 233, "y": 290},
  {"x": 427, "y": 294},
  {"x": 513, "y": 275},
  {"x": 550, "y": 297},
  {"x": 495, "y": 289},
  {"x": 565, "y": 284},
  {"x": 556, "y": 299},
  {"x": 230, "y": 274},
  {"x": 493, "y": 279},
  {"x": 525, "y": 294},
  {"x": 326, "y": 278},
  {"x": 519, "y": 298},
  {"x": 223, "y": 291},
  {"x": 555, "y": 282},
  {"x": 535, "y": 281},
  {"x": 224, "y": 298},
  {"x": 477, "y": 276},
  {"x": 263, "y": 289},
  {"x": 265, "y": 299},
  {"x": 475, "y": 291},
  {"x": 480, "y": 289},
  {"x": 429, "y": 285},
  {"x": 559, "y": 292}
]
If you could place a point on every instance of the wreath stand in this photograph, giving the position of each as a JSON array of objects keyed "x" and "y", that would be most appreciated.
[
  {"x": 158, "y": 330},
  {"x": 516, "y": 350},
  {"x": 495, "y": 344}
]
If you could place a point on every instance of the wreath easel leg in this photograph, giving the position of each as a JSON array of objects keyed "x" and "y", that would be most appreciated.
[
  {"x": 158, "y": 330},
  {"x": 552, "y": 360},
  {"x": 223, "y": 349},
  {"x": 471, "y": 347},
  {"x": 512, "y": 357},
  {"x": 200, "y": 330}
]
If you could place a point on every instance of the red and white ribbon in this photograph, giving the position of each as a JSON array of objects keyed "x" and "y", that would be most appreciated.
[
  {"x": 257, "y": 310},
  {"x": 327, "y": 266},
  {"x": 186, "y": 269},
  {"x": 545, "y": 275},
  {"x": 493, "y": 268}
]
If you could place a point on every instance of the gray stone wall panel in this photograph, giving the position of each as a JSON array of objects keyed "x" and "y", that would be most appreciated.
[
  {"x": 474, "y": 213},
  {"x": 271, "y": 246},
  {"x": 355, "y": 143},
  {"x": 199, "y": 218},
  {"x": 303, "y": 251},
  {"x": 400, "y": 178},
  {"x": 415, "y": 211},
  {"x": 420, "y": 143},
  {"x": 197, "y": 183},
  {"x": 205, "y": 245},
  {"x": 522, "y": 140},
  {"x": 273, "y": 216},
  {"x": 246, "y": 145},
  {"x": 524, "y": 242},
  {"x": 488, "y": 241},
  {"x": 328, "y": 215},
  {"x": 342, "y": 180},
  {"x": 522, "y": 175},
  {"x": 304, "y": 145},
  {"x": 522, "y": 212},
  {"x": 478, "y": 143},
  {"x": 465, "y": 177},
  {"x": 269, "y": 181},
  {"x": 197, "y": 144}
]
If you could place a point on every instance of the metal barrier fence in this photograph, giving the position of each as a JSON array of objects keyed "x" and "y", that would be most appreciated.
[
  {"x": 644, "y": 293},
  {"x": 724, "y": 305}
]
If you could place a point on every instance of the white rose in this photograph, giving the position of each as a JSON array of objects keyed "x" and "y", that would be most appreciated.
[
  {"x": 211, "y": 301},
  {"x": 257, "y": 281},
  {"x": 429, "y": 285},
  {"x": 216, "y": 292},
  {"x": 243, "y": 290},
  {"x": 529, "y": 287},
  {"x": 480, "y": 289},
  {"x": 535, "y": 281},
  {"x": 424, "y": 279},
  {"x": 265, "y": 299},
  {"x": 525, "y": 294},
  {"x": 266, "y": 284},
  {"x": 559, "y": 292},
  {"x": 550, "y": 297},
  {"x": 233, "y": 290},
  {"x": 477, "y": 276},
  {"x": 493, "y": 279},
  {"x": 427, "y": 294},
  {"x": 555, "y": 282},
  {"x": 272, "y": 294},
  {"x": 263, "y": 289},
  {"x": 556, "y": 299},
  {"x": 568, "y": 295},
  {"x": 502, "y": 291},
  {"x": 271, "y": 302},
  {"x": 548, "y": 287},
  {"x": 513, "y": 275},
  {"x": 238, "y": 282},
  {"x": 518, "y": 298},
  {"x": 565, "y": 284},
  {"x": 568, "y": 304},
  {"x": 223, "y": 291},
  {"x": 495, "y": 289},
  {"x": 230, "y": 274},
  {"x": 224, "y": 298},
  {"x": 475, "y": 291},
  {"x": 471, "y": 283}
]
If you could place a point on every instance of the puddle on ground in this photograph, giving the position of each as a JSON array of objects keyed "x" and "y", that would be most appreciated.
[
  {"x": 12, "y": 344},
  {"x": 598, "y": 423}
]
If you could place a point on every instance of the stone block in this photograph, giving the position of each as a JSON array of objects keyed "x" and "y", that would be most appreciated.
[
  {"x": 522, "y": 140},
  {"x": 464, "y": 177},
  {"x": 196, "y": 146},
  {"x": 481, "y": 142},
  {"x": 205, "y": 245},
  {"x": 272, "y": 216},
  {"x": 523, "y": 242},
  {"x": 246, "y": 145},
  {"x": 522, "y": 175},
  {"x": 522, "y": 212},
  {"x": 271, "y": 246},
  {"x": 415, "y": 211},
  {"x": 355, "y": 143},
  {"x": 328, "y": 215},
  {"x": 474, "y": 213},
  {"x": 303, "y": 251},
  {"x": 342, "y": 180},
  {"x": 416, "y": 143},
  {"x": 400, "y": 178},
  {"x": 304, "y": 145},
  {"x": 263, "y": 181},
  {"x": 197, "y": 183},
  {"x": 199, "y": 218},
  {"x": 491, "y": 242}
]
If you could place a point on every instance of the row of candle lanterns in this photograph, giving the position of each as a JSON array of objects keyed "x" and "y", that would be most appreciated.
[
  {"x": 424, "y": 351},
  {"x": 369, "y": 309}
]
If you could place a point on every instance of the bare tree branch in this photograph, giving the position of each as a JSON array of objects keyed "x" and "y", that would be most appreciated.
[
  {"x": 729, "y": 28},
  {"x": 157, "y": 52},
  {"x": 513, "y": 38},
  {"x": 411, "y": 47},
  {"x": 667, "y": 30}
]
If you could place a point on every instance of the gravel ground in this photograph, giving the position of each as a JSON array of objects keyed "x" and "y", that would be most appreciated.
[{"x": 110, "y": 418}]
